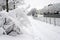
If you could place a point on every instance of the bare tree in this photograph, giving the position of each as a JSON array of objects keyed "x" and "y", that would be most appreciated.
[{"x": 7, "y": 6}]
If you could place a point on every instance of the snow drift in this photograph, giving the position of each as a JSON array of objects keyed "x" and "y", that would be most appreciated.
[{"x": 16, "y": 21}]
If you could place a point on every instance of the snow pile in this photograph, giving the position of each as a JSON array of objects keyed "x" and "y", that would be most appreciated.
[{"x": 16, "y": 21}]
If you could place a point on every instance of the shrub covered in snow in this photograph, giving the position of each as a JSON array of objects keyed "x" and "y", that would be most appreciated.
[{"x": 13, "y": 21}]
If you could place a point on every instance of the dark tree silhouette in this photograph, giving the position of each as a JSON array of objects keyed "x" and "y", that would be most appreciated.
[
  {"x": 14, "y": 4},
  {"x": 7, "y": 6}
]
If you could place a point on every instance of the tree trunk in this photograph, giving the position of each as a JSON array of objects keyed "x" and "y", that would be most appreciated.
[
  {"x": 14, "y": 4},
  {"x": 7, "y": 9}
]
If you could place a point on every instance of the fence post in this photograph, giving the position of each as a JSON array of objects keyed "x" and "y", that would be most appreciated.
[
  {"x": 54, "y": 21},
  {"x": 46, "y": 19},
  {"x": 50, "y": 20}
]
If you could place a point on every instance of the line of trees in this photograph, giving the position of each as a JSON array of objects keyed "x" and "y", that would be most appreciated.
[{"x": 10, "y": 4}]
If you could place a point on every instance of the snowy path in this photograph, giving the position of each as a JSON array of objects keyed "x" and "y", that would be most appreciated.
[{"x": 46, "y": 31}]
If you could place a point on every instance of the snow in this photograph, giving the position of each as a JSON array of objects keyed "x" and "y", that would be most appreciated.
[
  {"x": 1, "y": 31},
  {"x": 14, "y": 20},
  {"x": 53, "y": 8},
  {"x": 46, "y": 31},
  {"x": 30, "y": 28},
  {"x": 20, "y": 20},
  {"x": 21, "y": 37}
]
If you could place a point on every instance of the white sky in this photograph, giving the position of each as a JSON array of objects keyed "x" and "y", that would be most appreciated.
[{"x": 40, "y": 3}]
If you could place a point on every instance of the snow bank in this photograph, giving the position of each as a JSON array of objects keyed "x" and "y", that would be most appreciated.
[{"x": 16, "y": 20}]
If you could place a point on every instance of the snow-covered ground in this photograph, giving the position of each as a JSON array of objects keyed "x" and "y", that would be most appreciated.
[
  {"x": 45, "y": 31},
  {"x": 41, "y": 31},
  {"x": 31, "y": 29}
]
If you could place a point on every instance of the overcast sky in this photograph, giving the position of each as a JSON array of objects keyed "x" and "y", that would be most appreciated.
[{"x": 39, "y": 4}]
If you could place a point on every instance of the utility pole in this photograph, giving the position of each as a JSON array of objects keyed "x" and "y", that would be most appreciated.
[{"x": 7, "y": 9}]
